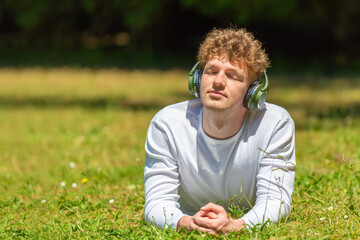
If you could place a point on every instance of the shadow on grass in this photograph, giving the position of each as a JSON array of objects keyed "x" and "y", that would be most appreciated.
[
  {"x": 311, "y": 110},
  {"x": 327, "y": 111},
  {"x": 340, "y": 112},
  {"x": 319, "y": 116},
  {"x": 86, "y": 103}
]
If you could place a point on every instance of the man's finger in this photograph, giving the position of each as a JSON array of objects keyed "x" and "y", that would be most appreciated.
[
  {"x": 212, "y": 215},
  {"x": 208, "y": 206},
  {"x": 194, "y": 226},
  {"x": 205, "y": 222},
  {"x": 211, "y": 207}
]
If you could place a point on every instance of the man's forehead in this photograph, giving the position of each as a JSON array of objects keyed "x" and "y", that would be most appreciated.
[{"x": 239, "y": 66}]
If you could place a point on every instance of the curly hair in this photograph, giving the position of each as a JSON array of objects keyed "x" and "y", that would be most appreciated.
[{"x": 235, "y": 45}]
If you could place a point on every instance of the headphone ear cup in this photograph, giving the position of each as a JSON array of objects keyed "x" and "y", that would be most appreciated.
[
  {"x": 249, "y": 97},
  {"x": 194, "y": 82},
  {"x": 255, "y": 96},
  {"x": 198, "y": 82}
]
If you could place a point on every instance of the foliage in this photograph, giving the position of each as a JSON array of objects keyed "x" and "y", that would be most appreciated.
[
  {"x": 72, "y": 154},
  {"x": 243, "y": 10},
  {"x": 156, "y": 24}
]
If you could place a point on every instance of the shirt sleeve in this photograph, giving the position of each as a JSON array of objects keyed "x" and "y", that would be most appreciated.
[
  {"x": 275, "y": 178},
  {"x": 161, "y": 178}
]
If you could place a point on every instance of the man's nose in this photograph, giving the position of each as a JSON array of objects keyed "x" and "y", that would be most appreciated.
[{"x": 219, "y": 80}]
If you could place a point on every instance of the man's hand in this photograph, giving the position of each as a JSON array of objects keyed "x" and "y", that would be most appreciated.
[
  {"x": 215, "y": 217},
  {"x": 212, "y": 219},
  {"x": 187, "y": 222}
]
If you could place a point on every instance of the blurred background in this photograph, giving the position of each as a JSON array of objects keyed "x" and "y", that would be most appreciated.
[
  {"x": 320, "y": 36},
  {"x": 80, "y": 81}
]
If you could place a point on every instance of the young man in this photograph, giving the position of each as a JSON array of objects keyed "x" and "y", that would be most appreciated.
[{"x": 215, "y": 150}]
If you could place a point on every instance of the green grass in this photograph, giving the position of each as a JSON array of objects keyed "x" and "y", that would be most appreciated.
[{"x": 72, "y": 125}]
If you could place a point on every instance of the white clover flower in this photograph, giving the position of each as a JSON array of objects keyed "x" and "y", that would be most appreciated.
[
  {"x": 63, "y": 184},
  {"x": 345, "y": 216},
  {"x": 330, "y": 208},
  {"x": 72, "y": 164},
  {"x": 74, "y": 185},
  {"x": 43, "y": 201},
  {"x": 322, "y": 218},
  {"x": 111, "y": 201}
]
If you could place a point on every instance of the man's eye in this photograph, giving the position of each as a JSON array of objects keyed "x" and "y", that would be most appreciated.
[
  {"x": 231, "y": 76},
  {"x": 210, "y": 72}
]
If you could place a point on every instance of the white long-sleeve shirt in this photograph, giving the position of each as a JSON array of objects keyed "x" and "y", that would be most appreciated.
[{"x": 185, "y": 169}]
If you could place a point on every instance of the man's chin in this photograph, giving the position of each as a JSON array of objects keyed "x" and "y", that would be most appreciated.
[{"x": 214, "y": 105}]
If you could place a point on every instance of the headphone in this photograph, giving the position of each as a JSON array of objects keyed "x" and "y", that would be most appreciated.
[{"x": 255, "y": 96}]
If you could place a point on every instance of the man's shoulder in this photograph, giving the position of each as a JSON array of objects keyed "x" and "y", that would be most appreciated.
[
  {"x": 178, "y": 111},
  {"x": 271, "y": 114},
  {"x": 276, "y": 112}
]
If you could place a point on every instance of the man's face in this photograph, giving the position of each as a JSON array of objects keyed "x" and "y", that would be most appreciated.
[{"x": 224, "y": 85}]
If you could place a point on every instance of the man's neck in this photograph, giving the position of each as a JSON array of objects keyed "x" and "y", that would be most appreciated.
[{"x": 222, "y": 124}]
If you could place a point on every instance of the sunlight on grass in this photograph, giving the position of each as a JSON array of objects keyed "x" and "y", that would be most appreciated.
[{"x": 72, "y": 153}]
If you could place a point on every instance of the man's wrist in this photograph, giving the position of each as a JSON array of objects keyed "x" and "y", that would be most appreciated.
[
  {"x": 237, "y": 225},
  {"x": 240, "y": 222},
  {"x": 183, "y": 222}
]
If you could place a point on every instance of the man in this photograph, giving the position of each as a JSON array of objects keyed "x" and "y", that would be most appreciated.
[{"x": 220, "y": 148}]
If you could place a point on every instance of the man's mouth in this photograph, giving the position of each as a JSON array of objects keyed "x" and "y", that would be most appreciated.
[{"x": 216, "y": 94}]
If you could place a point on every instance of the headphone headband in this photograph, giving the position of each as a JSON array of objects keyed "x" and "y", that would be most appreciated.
[
  {"x": 194, "y": 69},
  {"x": 266, "y": 85}
]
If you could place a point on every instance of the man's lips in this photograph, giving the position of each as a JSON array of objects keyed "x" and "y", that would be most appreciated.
[{"x": 216, "y": 94}]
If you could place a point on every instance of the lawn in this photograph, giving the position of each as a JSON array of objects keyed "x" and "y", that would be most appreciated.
[{"x": 72, "y": 153}]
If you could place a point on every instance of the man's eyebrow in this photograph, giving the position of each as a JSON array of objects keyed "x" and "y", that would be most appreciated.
[
  {"x": 212, "y": 65},
  {"x": 236, "y": 71},
  {"x": 233, "y": 70}
]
